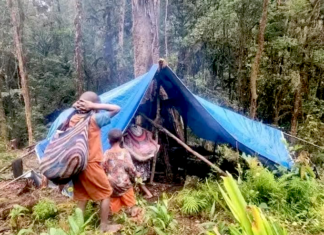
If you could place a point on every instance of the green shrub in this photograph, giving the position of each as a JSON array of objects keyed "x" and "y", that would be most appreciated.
[
  {"x": 199, "y": 198},
  {"x": 130, "y": 227},
  {"x": 45, "y": 209},
  {"x": 52, "y": 223},
  {"x": 77, "y": 225},
  {"x": 161, "y": 218},
  {"x": 91, "y": 212},
  {"x": 261, "y": 186},
  {"x": 251, "y": 219},
  {"x": 289, "y": 197},
  {"x": 16, "y": 212}
]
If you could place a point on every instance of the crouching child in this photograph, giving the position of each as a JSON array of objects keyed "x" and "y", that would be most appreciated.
[{"x": 120, "y": 170}]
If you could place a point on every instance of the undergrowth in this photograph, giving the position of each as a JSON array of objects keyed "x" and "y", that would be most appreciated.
[
  {"x": 288, "y": 196},
  {"x": 291, "y": 198},
  {"x": 199, "y": 199},
  {"x": 45, "y": 209}
]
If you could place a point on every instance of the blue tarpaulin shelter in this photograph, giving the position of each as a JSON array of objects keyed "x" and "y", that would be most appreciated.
[{"x": 205, "y": 119}]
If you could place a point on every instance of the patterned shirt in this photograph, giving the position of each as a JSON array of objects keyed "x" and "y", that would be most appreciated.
[{"x": 119, "y": 168}]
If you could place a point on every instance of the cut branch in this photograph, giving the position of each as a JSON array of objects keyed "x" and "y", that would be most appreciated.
[
  {"x": 156, "y": 134},
  {"x": 160, "y": 128}
]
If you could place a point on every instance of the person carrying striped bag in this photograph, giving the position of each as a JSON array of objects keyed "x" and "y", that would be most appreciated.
[{"x": 92, "y": 183}]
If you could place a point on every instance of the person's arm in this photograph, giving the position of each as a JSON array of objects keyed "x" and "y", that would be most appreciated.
[
  {"x": 102, "y": 119},
  {"x": 85, "y": 105}
]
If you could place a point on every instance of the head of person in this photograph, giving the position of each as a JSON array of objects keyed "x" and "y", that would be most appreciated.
[
  {"x": 115, "y": 136},
  {"x": 90, "y": 96}
]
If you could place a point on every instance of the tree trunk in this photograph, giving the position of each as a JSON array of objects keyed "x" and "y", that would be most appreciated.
[
  {"x": 166, "y": 28},
  {"x": 78, "y": 58},
  {"x": 297, "y": 103},
  {"x": 256, "y": 64},
  {"x": 145, "y": 34},
  {"x": 119, "y": 59},
  {"x": 121, "y": 26},
  {"x": 16, "y": 19},
  {"x": 3, "y": 126},
  {"x": 296, "y": 110}
]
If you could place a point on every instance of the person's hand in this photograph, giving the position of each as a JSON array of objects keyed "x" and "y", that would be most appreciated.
[
  {"x": 84, "y": 105},
  {"x": 76, "y": 104}
]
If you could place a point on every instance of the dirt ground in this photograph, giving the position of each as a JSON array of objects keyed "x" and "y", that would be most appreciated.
[{"x": 24, "y": 193}]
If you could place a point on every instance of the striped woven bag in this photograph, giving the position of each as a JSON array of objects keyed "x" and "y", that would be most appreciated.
[{"x": 67, "y": 153}]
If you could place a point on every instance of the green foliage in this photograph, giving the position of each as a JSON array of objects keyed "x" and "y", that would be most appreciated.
[
  {"x": 250, "y": 218},
  {"x": 55, "y": 231},
  {"x": 130, "y": 227},
  {"x": 25, "y": 231},
  {"x": 191, "y": 201},
  {"x": 198, "y": 199},
  {"x": 15, "y": 213},
  {"x": 289, "y": 196},
  {"x": 45, "y": 209},
  {"x": 91, "y": 213},
  {"x": 77, "y": 225},
  {"x": 161, "y": 218},
  {"x": 51, "y": 223},
  {"x": 6, "y": 158},
  {"x": 261, "y": 186}
]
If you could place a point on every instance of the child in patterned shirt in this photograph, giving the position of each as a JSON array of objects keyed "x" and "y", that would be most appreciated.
[{"x": 120, "y": 169}]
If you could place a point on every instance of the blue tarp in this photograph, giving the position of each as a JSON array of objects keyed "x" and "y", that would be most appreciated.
[{"x": 205, "y": 119}]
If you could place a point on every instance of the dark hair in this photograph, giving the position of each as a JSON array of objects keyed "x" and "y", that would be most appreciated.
[{"x": 115, "y": 136}]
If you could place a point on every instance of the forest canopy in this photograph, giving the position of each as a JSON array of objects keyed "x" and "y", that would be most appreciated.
[{"x": 250, "y": 56}]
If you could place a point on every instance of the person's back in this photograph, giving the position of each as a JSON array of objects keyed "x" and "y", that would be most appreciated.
[
  {"x": 120, "y": 169},
  {"x": 94, "y": 137}
]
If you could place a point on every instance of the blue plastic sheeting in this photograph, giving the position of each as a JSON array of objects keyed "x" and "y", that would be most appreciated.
[
  {"x": 128, "y": 96},
  {"x": 253, "y": 137},
  {"x": 221, "y": 125},
  {"x": 206, "y": 120}
]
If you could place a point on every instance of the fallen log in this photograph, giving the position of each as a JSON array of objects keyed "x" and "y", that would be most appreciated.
[{"x": 161, "y": 128}]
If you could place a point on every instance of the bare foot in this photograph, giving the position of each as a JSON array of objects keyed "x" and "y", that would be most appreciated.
[
  {"x": 112, "y": 228},
  {"x": 135, "y": 211}
]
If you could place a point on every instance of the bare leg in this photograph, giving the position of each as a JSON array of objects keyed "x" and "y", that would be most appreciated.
[
  {"x": 104, "y": 213},
  {"x": 82, "y": 205},
  {"x": 146, "y": 191},
  {"x": 44, "y": 182}
]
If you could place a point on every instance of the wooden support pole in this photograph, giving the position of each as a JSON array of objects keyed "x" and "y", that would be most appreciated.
[
  {"x": 159, "y": 127},
  {"x": 156, "y": 133},
  {"x": 185, "y": 124},
  {"x": 214, "y": 149}
]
